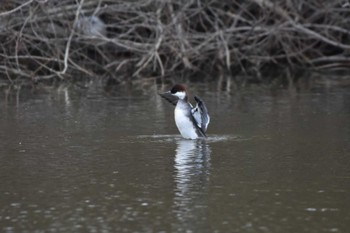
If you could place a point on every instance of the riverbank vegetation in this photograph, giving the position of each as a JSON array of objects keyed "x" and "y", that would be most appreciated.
[{"x": 133, "y": 41}]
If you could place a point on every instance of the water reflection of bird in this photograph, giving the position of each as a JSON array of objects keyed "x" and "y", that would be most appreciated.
[
  {"x": 192, "y": 165},
  {"x": 192, "y": 122}
]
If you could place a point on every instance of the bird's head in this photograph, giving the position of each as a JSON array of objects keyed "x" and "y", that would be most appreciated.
[{"x": 179, "y": 90}]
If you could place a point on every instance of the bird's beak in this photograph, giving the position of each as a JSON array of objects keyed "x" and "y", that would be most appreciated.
[
  {"x": 169, "y": 97},
  {"x": 165, "y": 94}
]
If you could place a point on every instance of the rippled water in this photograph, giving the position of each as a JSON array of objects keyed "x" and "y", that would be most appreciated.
[{"x": 76, "y": 160}]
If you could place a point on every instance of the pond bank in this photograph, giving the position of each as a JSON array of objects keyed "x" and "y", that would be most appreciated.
[{"x": 128, "y": 41}]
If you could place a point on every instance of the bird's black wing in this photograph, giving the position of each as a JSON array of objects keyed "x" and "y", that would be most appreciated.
[{"x": 200, "y": 114}]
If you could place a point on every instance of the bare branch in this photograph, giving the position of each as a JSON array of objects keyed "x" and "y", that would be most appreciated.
[
  {"x": 16, "y": 9},
  {"x": 66, "y": 54}
]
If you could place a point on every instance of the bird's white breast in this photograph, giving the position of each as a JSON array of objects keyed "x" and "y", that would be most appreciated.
[{"x": 184, "y": 124}]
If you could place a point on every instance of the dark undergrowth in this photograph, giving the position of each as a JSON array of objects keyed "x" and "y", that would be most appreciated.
[{"x": 137, "y": 42}]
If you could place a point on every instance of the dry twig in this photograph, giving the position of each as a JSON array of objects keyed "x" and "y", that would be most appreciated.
[{"x": 135, "y": 39}]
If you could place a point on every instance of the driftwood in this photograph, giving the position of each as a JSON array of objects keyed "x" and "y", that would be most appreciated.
[{"x": 129, "y": 40}]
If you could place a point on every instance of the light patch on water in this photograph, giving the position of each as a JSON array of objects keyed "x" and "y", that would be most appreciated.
[
  {"x": 159, "y": 138},
  {"x": 220, "y": 138},
  {"x": 15, "y": 204},
  {"x": 311, "y": 209},
  {"x": 176, "y": 137},
  {"x": 210, "y": 139}
]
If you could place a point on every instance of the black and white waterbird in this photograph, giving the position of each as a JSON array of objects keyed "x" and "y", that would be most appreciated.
[{"x": 192, "y": 122}]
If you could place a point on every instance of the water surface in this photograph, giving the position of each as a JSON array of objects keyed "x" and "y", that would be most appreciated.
[{"x": 77, "y": 160}]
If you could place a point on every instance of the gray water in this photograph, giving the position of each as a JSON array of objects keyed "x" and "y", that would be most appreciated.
[{"x": 86, "y": 160}]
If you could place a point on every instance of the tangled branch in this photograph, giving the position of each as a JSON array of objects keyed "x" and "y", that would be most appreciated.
[{"x": 129, "y": 40}]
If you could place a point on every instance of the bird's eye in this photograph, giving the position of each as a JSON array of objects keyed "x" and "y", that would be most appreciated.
[{"x": 173, "y": 91}]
